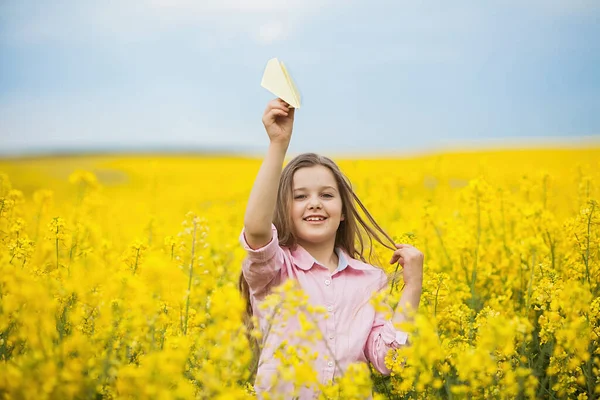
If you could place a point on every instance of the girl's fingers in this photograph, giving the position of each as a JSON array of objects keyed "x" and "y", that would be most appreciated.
[
  {"x": 280, "y": 107},
  {"x": 402, "y": 245},
  {"x": 396, "y": 256},
  {"x": 277, "y": 113},
  {"x": 278, "y": 104},
  {"x": 400, "y": 251},
  {"x": 281, "y": 101},
  {"x": 397, "y": 259}
]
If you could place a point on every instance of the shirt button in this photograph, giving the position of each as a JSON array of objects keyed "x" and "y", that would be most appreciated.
[
  {"x": 327, "y": 282},
  {"x": 331, "y": 337},
  {"x": 330, "y": 364},
  {"x": 330, "y": 308}
]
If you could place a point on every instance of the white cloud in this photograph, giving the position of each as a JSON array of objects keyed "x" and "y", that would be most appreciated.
[{"x": 271, "y": 32}]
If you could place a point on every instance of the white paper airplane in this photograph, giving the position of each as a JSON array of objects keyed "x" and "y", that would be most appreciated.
[{"x": 278, "y": 81}]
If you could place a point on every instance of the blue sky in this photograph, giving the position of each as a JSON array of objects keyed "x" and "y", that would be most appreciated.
[{"x": 375, "y": 76}]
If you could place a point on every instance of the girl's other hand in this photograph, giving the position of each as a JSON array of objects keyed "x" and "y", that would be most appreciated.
[
  {"x": 411, "y": 260},
  {"x": 278, "y": 120}
]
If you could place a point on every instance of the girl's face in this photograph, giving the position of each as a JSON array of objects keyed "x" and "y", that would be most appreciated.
[{"x": 316, "y": 205}]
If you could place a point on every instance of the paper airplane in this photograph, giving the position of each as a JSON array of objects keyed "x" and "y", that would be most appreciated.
[{"x": 278, "y": 81}]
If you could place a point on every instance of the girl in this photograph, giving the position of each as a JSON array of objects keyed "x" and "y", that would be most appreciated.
[{"x": 303, "y": 224}]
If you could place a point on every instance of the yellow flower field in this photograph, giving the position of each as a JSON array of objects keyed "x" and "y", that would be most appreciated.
[{"x": 118, "y": 276}]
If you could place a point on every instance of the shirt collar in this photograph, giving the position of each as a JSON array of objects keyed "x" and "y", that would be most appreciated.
[
  {"x": 303, "y": 260},
  {"x": 342, "y": 261}
]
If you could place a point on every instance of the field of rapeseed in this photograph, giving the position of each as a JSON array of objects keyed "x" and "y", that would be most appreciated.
[{"x": 118, "y": 276}]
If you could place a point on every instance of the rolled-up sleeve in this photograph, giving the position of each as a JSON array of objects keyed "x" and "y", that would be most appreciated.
[
  {"x": 381, "y": 340},
  {"x": 261, "y": 265}
]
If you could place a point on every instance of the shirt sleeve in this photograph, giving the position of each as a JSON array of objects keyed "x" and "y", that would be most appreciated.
[
  {"x": 262, "y": 265},
  {"x": 382, "y": 338}
]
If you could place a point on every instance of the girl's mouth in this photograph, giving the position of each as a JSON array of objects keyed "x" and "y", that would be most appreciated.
[{"x": 315, "y": 220}]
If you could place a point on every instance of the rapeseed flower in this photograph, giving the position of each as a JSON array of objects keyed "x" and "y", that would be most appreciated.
[{"x": 104, "y": 292}]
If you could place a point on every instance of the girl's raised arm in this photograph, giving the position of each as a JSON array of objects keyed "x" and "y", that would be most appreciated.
[{"x": 278, "y": 120}]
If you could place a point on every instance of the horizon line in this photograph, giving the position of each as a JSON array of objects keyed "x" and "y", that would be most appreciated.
[{"x": 482, "y": 144}]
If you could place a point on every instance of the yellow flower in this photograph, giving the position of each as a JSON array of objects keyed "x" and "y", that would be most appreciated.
[{"x": 124, "y": 300}]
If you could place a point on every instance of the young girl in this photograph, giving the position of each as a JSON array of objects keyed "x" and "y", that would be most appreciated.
[{"x": 303, "y": 224}]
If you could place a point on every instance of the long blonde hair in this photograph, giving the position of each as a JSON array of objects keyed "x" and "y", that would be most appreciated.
[{"x": 350, "y": 235}]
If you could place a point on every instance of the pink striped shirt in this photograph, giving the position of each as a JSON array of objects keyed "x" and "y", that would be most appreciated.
[{"x": 353, "y": 330}]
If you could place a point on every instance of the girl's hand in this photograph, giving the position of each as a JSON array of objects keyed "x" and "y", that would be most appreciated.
[
  {"x": 278, "y": 120},
  {"x": 411, "y": 260}
]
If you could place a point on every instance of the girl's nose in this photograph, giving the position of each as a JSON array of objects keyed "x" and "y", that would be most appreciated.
[{"x": 314, "y": 203}]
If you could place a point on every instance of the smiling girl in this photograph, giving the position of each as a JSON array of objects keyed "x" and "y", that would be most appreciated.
[{"x": 303, "y": 223}]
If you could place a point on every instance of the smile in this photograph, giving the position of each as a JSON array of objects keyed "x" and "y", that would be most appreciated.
[{"x": 315, "y": 219}]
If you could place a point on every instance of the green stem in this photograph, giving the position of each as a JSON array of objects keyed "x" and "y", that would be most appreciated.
[
  {"x": 545, "y": 191},
  {"x": 552, "y": 248},
  {"x": 587, "y": 250},
  {"x": 465, "y": 268},
  {"x": 395, "y": 281},
  {"x": 137, "y": 257},
  {"x": 189, "y": 291},
  {"x": 439, "y": 235},
  {"x": 56, "y": 245},
  {"x": 530, "y": 284},
  {"x": 541, "y": 365},
  {"x": 474, "y": 272},
  {"x": 437, "y": 291},
  {"x": 180, "y": 318},
  {"x": 590, "y": 377}
]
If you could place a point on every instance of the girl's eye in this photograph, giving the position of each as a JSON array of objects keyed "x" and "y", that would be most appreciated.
[{"x": 303, "y": 196}]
